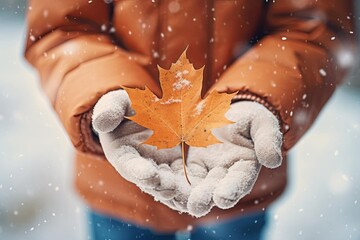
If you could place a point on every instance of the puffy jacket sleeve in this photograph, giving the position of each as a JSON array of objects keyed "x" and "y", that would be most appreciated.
[
  {"x": 307, "y": 48},
  {"x": 70, "y": 44}
]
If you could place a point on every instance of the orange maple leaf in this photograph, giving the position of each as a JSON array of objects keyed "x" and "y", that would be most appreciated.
[{"x": 180, "y": 115}]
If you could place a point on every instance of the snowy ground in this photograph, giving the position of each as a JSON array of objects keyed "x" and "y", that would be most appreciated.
[{"x": 36, "y": 196}]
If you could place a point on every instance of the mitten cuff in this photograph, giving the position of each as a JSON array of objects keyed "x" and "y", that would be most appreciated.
[{"x": 249, "y": 96}]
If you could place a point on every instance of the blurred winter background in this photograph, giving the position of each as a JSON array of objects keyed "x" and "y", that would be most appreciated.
[{"x": 37, "y": 200}]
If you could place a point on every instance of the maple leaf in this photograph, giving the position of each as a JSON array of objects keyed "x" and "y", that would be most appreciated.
[{"x": 180, "y": 116}]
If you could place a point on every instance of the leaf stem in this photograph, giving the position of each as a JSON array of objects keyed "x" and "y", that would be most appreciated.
[{"x": 184, "y": 161}]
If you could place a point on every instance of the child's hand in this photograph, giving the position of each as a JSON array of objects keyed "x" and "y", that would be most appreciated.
[
  {"x": 141, "y": 164},
  {"x": 232, "y": 167},
  {"x": 220, "y": 174}
]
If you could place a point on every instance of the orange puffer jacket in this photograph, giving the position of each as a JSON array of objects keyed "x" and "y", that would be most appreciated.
[{"x": 284, "y": 54}]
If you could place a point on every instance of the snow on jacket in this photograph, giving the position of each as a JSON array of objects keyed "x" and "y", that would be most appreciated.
[{"x": 285, "y": 54}]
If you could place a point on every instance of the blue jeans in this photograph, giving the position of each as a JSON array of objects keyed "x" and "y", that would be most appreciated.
[{"x": 248, "y": 227}]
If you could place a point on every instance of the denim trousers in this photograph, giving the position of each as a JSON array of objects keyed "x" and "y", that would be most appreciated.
[{"x": 247, "y": 227}]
